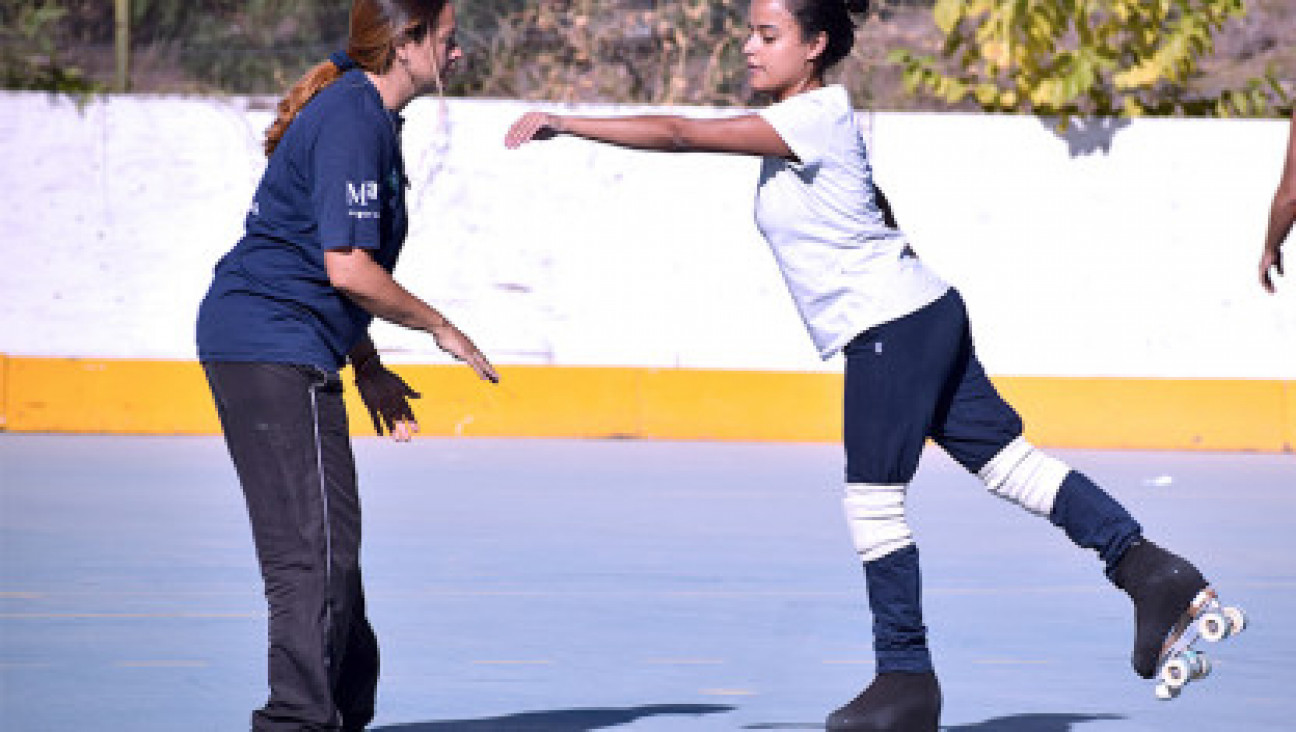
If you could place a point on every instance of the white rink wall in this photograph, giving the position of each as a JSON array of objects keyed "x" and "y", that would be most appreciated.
[{"x": 1135, "y": 261}]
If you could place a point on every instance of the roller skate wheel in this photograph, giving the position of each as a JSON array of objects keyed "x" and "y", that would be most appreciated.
[
  {"x": 1176, "y": 673},
  {"x": 1213, "y": 626},
  {"x": 1236, "y": 618},
  {"x": 1165, "y": 692}
]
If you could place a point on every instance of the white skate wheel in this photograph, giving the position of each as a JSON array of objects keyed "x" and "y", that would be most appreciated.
[
  {"x": 1236, "y": 618},
  {"x": 1176, "y": 673},
  {"x": 1213, "y": 626},
  {"x": 1166, "y": 693}
]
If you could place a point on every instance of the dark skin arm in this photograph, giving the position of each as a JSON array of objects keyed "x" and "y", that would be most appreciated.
[{"x": 1282, "y": 215}]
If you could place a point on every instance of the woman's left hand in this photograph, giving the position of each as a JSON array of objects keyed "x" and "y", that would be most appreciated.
[
  {"x": 387, "y": 396},
  {"x": 532, "y": 126},
  {"x": 452, "y": 340}
]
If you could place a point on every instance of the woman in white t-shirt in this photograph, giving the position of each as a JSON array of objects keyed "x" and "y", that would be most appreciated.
[{"x": 911, "y": 371}]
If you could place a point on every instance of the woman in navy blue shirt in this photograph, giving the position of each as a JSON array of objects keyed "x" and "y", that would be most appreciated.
[{"x": 289, "y": 306}]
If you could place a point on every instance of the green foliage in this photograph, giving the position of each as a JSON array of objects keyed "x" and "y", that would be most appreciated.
[
  {"x": 678, "y": 52},
  {"x": 257, "y": 46},
  {"x": 1096, "y": 58},
  {"x": 29, "y": 56}
]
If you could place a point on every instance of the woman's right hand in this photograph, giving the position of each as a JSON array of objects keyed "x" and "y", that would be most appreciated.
[
  {"x": 451, "y": 340},
  {"x": 1270, "y": 263},
  {"x": 532, "y": 126},
  {"x": 386, "y": 396}
]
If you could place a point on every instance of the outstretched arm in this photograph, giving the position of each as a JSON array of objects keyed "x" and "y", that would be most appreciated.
[
  {"x": 371, "y": 287},
  {"x": 747, "y": 134},
  {"x": 1282, "y": 214}
]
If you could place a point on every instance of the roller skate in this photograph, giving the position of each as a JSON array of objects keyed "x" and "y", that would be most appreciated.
[
  {"x": 1174, "y": 607},
  {"x": 896, "y": 701}
]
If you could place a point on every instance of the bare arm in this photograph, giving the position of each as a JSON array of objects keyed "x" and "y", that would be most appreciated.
[
  {"x": 359, "y": 277},
  {"x": 1282, "y": 214},
  {"x": 747, "y": 134}
]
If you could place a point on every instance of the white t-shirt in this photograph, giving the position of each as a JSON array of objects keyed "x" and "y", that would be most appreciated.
[{"x": 846, "y": 269}]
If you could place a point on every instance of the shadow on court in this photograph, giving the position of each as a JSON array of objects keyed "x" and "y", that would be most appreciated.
[
  {"x": 558, "y": 720},
  {"x": 1014, "y": 723},
  {"x": 1033, "y": 723}
]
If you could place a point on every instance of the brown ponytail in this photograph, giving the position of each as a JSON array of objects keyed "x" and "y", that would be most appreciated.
[
  {"x": 320, "y": 76},
  {"x": 377, "y": 27}
]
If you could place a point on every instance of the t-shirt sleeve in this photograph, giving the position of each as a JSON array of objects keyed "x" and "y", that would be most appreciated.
[
  {"x": 348, "y": 187},
  {"x": 800, "y": 121}
]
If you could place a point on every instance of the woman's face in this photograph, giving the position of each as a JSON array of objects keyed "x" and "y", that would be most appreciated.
[
  {"x": 431, "y": 60},
  {"x": 779, "y": 60}
]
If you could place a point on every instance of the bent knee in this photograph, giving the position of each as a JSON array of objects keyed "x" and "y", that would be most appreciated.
[{"x": 1025, "y": 475}]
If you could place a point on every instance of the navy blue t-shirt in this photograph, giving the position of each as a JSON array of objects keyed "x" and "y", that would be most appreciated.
[{"x": 336, "y": 180}]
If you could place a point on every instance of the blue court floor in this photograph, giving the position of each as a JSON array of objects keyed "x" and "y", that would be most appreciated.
[{"x": 567, "y": 586}]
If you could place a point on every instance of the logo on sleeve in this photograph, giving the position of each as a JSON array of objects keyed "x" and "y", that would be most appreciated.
[{"x": 362, "y": 194}]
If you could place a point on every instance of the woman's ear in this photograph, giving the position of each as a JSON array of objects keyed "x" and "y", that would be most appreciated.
[
  {"x": 401, "y": 51},
  {"x": 817, "y": 48}
]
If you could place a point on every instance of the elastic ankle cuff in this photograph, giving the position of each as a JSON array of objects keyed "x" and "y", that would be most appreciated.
[{"x": 915, "y": 661}]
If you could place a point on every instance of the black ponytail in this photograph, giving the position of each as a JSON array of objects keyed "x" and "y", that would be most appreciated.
[{"x": 832, "y": 17}]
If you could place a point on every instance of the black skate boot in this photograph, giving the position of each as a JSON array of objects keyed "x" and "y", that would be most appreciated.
[
  {"x": 896, "y": 701},
  {"x": 1162, "y": 586}
]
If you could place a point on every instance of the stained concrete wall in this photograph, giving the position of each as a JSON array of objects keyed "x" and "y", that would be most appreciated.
[{"x": 1079, "y": 256}]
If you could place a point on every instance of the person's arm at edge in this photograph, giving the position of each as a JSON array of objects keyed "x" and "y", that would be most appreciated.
[{"x": 1282, "y": 214}]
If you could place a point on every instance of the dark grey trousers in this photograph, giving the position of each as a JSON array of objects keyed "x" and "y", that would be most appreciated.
[{"x": 286, "y": 429}]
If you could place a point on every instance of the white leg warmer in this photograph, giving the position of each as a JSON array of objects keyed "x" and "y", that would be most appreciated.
[
  {"x": 1024, "y": 475},
  {"x": 876, "y": 516}
]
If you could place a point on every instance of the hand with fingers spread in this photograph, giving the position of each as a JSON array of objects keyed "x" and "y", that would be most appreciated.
[
  {"x": 386, "y": 396},
  {"x": 533, "y": 126},
  {"x": 451, "y": 340}
]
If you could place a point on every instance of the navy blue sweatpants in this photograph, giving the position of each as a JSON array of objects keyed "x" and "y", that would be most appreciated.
[{"x": 916, "y": 378}]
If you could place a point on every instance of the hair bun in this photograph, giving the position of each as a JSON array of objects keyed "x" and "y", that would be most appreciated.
[{"x": 859, "y": 7}]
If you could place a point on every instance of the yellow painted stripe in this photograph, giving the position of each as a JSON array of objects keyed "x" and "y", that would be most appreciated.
[
  {"x": 1178, "y": 414},
  {"x": 4, "y": 393},
  {"x": 170, "y": 397},
  {"x": 108, "y": 396}
]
